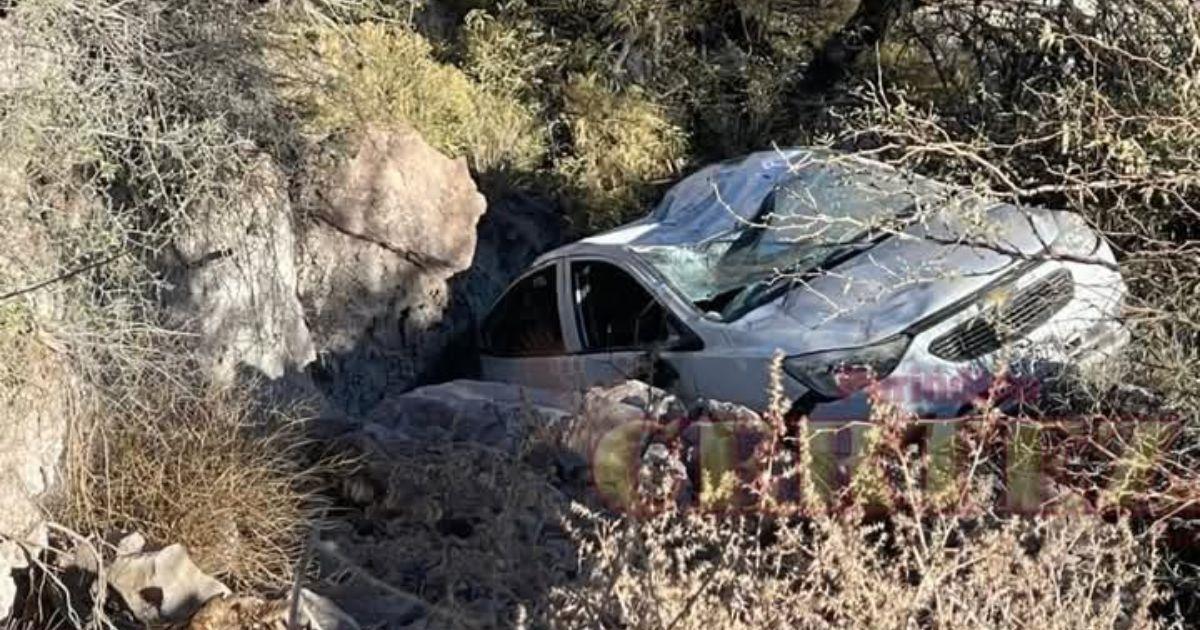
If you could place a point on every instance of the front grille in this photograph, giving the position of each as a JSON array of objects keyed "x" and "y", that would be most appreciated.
[{"x": 1016, "y": 317}]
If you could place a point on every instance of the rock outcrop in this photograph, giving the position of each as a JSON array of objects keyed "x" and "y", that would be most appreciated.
[
  {"x": 32, "y": 436},
  {"x": 36, "y": 382},
  {"x": 362, "y": 279},
  {"x": 236, "y": 282}
]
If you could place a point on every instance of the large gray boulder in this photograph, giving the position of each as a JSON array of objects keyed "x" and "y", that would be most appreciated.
[
  {"x": 396, "y": 222},
  {"x": 235, "y": 274},
  {"x": 496, "y": 415},
  {"x": 347, "y": 278}
]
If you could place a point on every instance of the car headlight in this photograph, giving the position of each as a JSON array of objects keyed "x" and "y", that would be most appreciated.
[
  {"x": 839, "y": 373},
  {"x": 1075, "y": 236}
]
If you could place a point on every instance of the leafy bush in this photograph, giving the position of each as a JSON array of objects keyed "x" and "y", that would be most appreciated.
[
  {"x": 347, "y": 77},
  {"x": 622, "y": 145}
]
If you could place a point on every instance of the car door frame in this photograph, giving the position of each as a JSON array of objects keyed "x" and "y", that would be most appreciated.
[
  {"x": 549, "y": 371},
  {"x": 573, "y": 335}
]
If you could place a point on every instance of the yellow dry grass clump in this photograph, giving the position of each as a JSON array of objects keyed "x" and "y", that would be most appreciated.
[
  {"x": 346, "y": 77},
  {"x": 622, "y": 145},
  {"x": 200, "y": 466}
]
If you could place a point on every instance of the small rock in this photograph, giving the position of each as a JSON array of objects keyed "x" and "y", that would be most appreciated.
[
  {"x": 163, "y": 585},
  {"x": 131, "y": 544},
  {"x": 253, "y": 613},
  {"x": 491, "y": 414},
  {"x": 663, "y": 476},
  {"x": 655, "y": 403},
  {"x": 720, "y": 411},
  {"x": 359, "y": 489}
]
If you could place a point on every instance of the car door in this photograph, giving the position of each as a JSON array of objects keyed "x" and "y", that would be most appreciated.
[
  {"x": 522, "y": 339},
  {"x": 618, "y": 329}
]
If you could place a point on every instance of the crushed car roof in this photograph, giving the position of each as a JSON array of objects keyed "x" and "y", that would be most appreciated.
[{"x": 716, "y": 198}]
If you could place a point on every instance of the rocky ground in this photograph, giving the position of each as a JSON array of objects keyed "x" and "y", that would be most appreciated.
[
  {"x": 348, "y": 294},
  {"x": 456, "y": 515}
]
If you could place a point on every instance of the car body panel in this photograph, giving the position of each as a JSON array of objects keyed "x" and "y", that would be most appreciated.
[{"x": 921, "y": 281}]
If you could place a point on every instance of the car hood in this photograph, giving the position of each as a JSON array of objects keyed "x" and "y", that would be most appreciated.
[{"x": 900, "y": 281}]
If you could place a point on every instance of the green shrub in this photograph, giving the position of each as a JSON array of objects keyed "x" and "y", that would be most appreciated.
[
  {"x": 344, "y": 78},
  {"x": 510, "y": 52},
  {"x": 622, "y": 144}
]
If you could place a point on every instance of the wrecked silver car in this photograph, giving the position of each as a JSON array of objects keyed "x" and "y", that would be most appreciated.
[{"x": 864, "y": 278}]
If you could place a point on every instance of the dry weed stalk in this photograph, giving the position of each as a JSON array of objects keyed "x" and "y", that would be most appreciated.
[{"x": 923, "y": 565}]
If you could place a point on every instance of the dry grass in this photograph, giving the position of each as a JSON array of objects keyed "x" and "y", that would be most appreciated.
[
  {"x": 500, "y": 542},
  {"x": 202, "y": 466},
  {"x": 796, "y": 553},
  {"x": 711, "y": 571},
  {"x": 347, "y": 77},
  {"x": 622, "y": 144}
]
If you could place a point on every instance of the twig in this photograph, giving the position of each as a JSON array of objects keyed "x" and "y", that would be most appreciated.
[
  {"x": 298, "y": 580},
  {"x": 61, "y": 277}
]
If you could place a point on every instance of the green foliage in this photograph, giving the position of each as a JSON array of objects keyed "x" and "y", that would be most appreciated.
[
  {"x": 594, "y": 101},
  {"x": 511, "y": 53},
  {"x": 622, "y": 145},
  {"x": 348, "y": 77},
  {"x": 636, "y": 89}
]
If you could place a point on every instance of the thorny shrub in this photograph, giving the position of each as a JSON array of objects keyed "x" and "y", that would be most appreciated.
[
  {"x": 1089, "y": 112},
  {"x": 632, "y": 91},
  {"x": 120, "y": 125},
  {"x": 693, "y": 552},
  {"x": 1094, "y": 114},
  {"x": 123, "y": 125},
  {"x": 696, "y": 570}
]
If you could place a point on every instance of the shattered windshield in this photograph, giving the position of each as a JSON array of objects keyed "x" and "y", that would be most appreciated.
[{"x": 793, "y": 222}]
